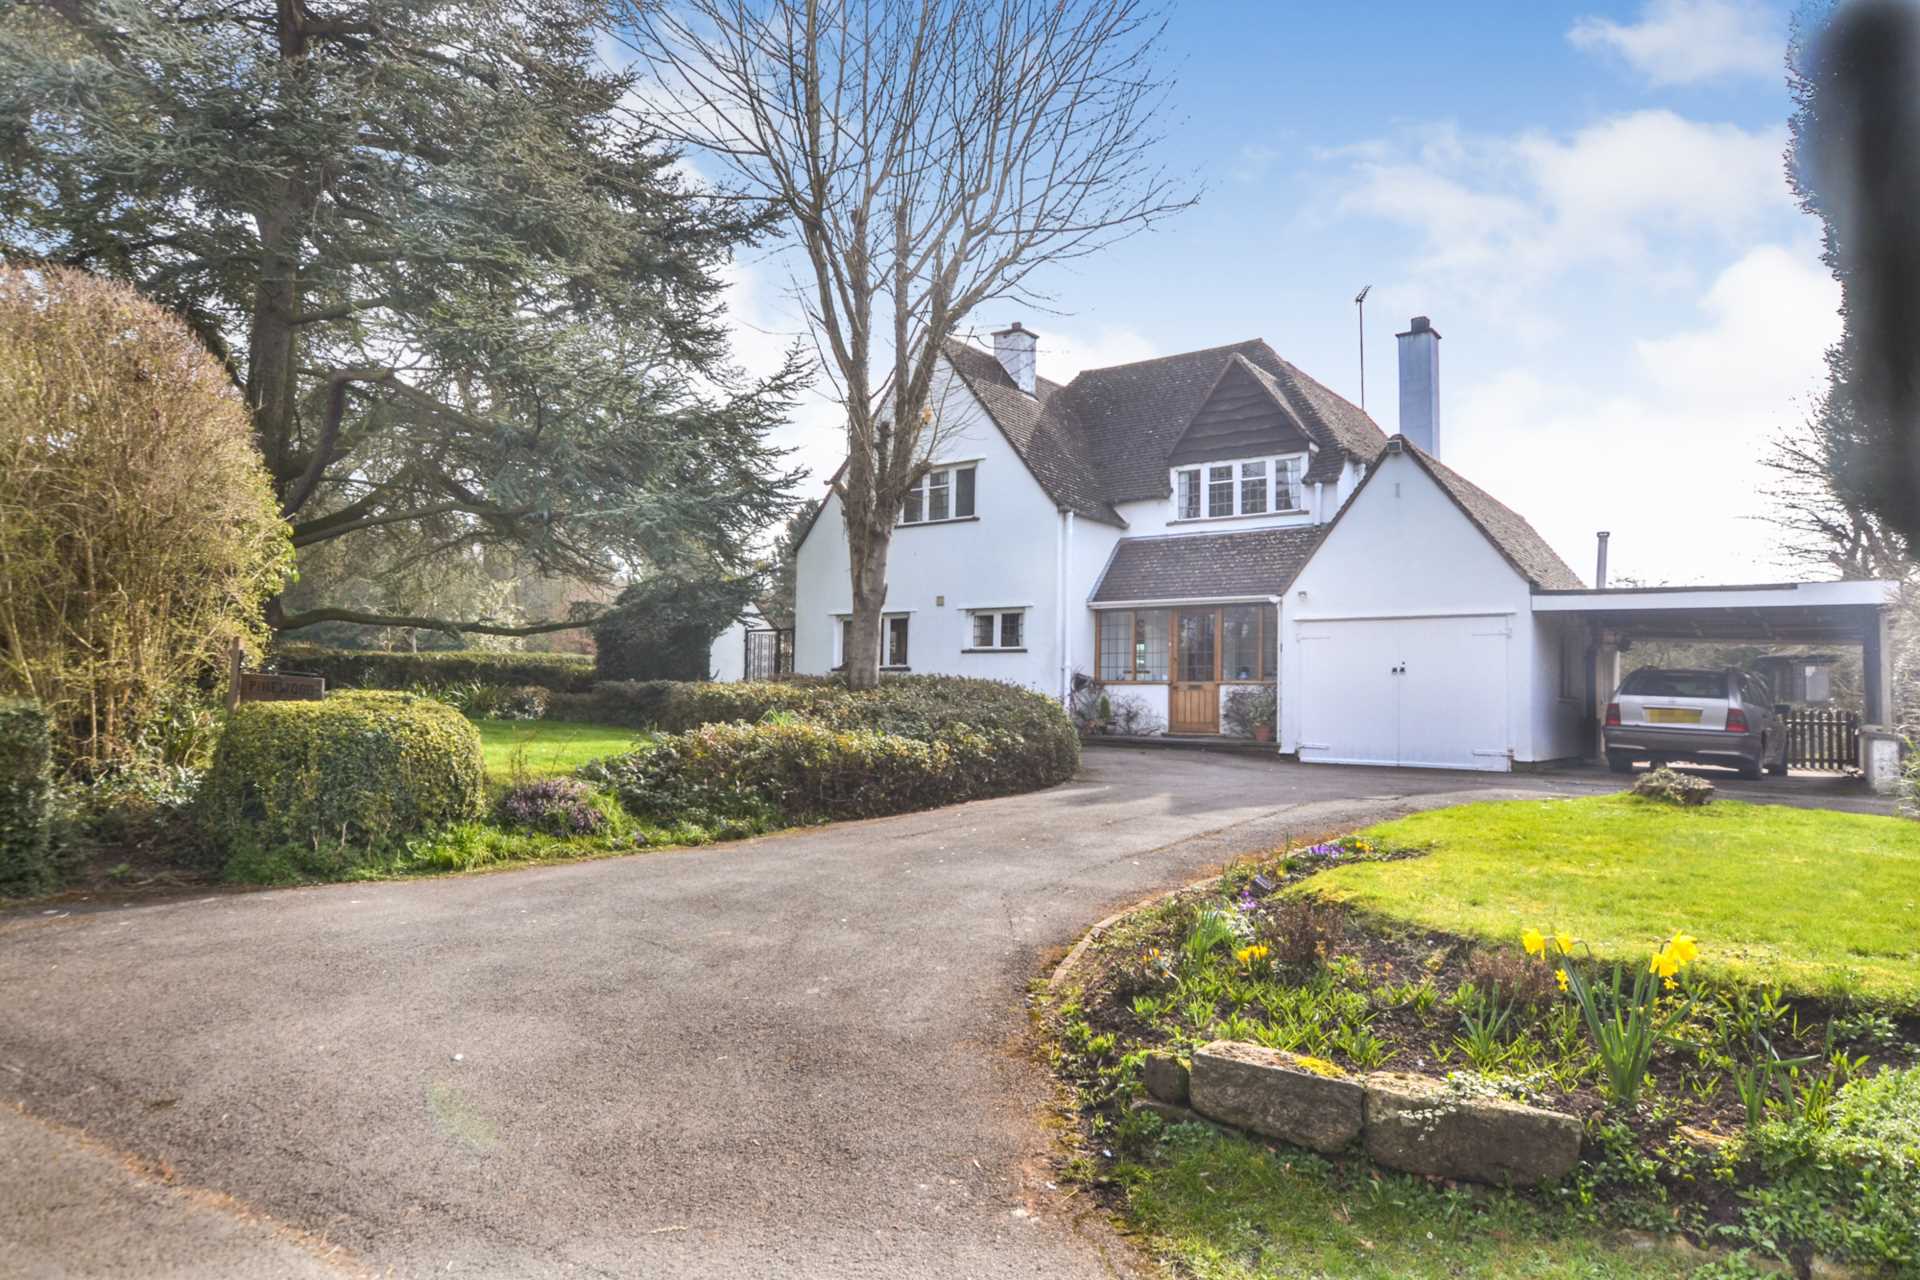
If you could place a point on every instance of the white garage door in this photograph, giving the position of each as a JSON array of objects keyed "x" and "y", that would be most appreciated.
[{"x": 1412, "y": 691}]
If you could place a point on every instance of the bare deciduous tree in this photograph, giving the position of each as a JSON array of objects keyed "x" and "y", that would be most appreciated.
[{"x": 930, "y": 156}]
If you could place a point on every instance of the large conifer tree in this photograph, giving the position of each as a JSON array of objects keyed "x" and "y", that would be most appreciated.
[{"x": 465, "y": 294}]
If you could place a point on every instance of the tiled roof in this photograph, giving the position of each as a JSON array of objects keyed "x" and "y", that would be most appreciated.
[
  {"x": 1207, "y": 566},
  {"x": 1504, "y": 527},
  {"x": 1055, "y": 451},
  {"x": 1105, "y": 437}
]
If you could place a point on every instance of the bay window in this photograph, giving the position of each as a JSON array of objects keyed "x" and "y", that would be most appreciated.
[{"x": 1251, "y": 487}]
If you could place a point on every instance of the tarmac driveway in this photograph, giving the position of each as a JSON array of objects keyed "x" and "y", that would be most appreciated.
[{"x": 796, "y": 1056}]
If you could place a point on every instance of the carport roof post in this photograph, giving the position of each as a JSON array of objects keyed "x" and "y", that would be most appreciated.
[{"x": 1815, "y": 613}]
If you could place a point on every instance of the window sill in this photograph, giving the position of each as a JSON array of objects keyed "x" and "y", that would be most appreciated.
[
  {"x": 1260, "y": 515},
  {"x": 996, "y": 649},
  {"x": 921, "y": 524}
]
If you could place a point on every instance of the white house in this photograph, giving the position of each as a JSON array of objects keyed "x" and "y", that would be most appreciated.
[{"x": 1181, "y": 527}]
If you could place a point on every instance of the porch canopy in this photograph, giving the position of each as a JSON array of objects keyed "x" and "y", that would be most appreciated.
[{"x": 1825, "y": 614}]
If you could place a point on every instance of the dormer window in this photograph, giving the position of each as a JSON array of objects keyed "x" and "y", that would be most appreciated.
[
  {"x": 1250, "y": 487},
  {"x": 945, "y": 493}
]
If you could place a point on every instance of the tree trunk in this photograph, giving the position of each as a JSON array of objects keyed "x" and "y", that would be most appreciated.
[{"x": 865, "y": 644}]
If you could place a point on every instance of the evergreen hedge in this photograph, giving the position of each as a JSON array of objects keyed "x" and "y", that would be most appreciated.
[
  {"x": 804, "y": 751},
  {"x": 440, "y": 669},
  {"x": 26, "y": 790},
  {"x": 318, "y": 788}
]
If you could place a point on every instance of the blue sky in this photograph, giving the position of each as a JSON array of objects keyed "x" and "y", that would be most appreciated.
[{"x": 1588, "y": 200}]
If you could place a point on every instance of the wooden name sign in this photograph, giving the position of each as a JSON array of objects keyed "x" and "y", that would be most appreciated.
[{"x": 268, "y": 686}]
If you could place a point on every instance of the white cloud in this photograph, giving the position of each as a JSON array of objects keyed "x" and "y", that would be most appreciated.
[
  {"x": 1500, "y": 219},
  {"x": 1678, "y": 42},
  {"x": 1664, "y": 453}
]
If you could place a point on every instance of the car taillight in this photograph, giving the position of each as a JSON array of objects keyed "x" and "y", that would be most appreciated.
[
  {"x": 1736, "y": 721},
  {"x": 1613, "y": 715}
]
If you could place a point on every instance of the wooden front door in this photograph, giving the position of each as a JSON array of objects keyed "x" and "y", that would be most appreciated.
[{"x": 1193, "y": 702}]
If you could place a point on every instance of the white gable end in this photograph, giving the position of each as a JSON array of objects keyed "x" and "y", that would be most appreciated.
[{"x": 1407, "y": 638}]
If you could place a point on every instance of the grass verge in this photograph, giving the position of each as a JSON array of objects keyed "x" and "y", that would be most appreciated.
[
  {"x": 546, "y": 748},
  {"x": 1821, "y": 903},
  {"x": 1222, "y": 1207}
]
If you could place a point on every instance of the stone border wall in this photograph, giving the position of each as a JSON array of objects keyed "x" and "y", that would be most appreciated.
[{"x": 1413, "y": 1123}]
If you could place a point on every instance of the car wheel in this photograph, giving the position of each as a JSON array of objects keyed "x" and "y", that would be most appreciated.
[
  {"x": 1750, "y": 769},
  {"x": 1619, "y": 762}
]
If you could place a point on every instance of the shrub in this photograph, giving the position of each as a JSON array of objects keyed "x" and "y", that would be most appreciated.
[
  {"x": 664, "y": 628},
  {"x": 796, "y": 771},
  {"x": 26, "y": 788},
  {"x": 557, "y": 806},
  {"x": 1301, "y": 933},
  {"x": 1670, "y": 786},
  {"x": 139, "y": 532},
  {"x": 319, "y": 788},
  {"x": 1033, "y": 742},
  {"x": 443, "y": 669},
  {"x": 1847, "y": 1183}
]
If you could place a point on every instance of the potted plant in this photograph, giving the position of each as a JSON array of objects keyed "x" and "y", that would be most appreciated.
[
  {"x": 1263, "y": 708},
  {"x": 1249, "y": 712}
]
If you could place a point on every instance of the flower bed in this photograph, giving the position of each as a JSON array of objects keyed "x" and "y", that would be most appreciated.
[{"x": 1707, "y": 1104}]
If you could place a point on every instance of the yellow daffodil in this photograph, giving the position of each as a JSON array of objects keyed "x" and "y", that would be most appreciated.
[
  {"x": 1533, "y": 942},
  {"x": 1663, "y": 964},
  {"x": 1560, "y": 976},
  {"x": 1684, "y": 948},
  {"x": 1563, "y": 942}
]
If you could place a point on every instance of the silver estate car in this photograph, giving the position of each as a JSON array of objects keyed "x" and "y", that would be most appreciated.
[{"x": 1708, "y": 717}]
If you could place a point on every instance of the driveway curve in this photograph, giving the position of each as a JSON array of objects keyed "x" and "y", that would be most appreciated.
[{"x": 793, "y": 1057}]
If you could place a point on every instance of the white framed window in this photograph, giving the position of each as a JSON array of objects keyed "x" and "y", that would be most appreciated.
[
  {"x": 997, "y": 629},
  {"x": 894, "y": 629},
  {"x": 1248, "y": 487},
  {"x": 944, "y": 493}
]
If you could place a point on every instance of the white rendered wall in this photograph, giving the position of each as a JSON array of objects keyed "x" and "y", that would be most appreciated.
[
  {"x": 1559, "y": 720},
  {"x": 1006, "y": 557},
  {"x": 728, "y": 658},
  {"x": 1404, "y": 550}
]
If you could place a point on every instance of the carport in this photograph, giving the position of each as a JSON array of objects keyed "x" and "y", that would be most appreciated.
[{"x": 1823, "y": 614}]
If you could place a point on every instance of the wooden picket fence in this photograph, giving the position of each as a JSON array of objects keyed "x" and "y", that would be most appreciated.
[{"x": 1818, "y": 738}]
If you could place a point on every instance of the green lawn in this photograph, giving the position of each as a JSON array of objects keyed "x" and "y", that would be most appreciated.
[
  {"x": 544, "y": 748},
  {"x": 1226, "y": 1208},
  {"x": 1823, "y": 903}
]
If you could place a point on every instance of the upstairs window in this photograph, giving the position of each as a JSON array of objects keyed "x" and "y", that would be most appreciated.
[
  {"x": 1187, "y": 491},
  {"x": 945, "y": 493},
  {"x": 1253, "y": 487},
  {"x": 999, "y": 629}
]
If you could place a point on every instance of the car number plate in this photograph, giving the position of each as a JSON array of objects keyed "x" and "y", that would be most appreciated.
[{"x": 1673, "y": 715}]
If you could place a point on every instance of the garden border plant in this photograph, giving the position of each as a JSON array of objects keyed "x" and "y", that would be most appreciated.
[{"x": 1220, "y": 961}]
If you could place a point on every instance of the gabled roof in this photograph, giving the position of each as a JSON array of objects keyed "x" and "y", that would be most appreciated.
[
  {"x": 1207, "y": 566},
  {"x": 1518, "y": 542},
  {"x": 1054, "y": 450},
  {"x": 1105, "y": 437}
]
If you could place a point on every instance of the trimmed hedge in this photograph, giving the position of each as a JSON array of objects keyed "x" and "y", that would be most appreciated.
[
  {"x": 26, "y": 792},
  {"x": 806, "y": 751},
  {"x": 370, "y": 669},
  {"x": 319, "y": 788},
  {"x": 791, "y": 771}
]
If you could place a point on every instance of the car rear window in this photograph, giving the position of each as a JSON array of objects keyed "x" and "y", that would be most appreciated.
[{"x": 1676, "y": 684}]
